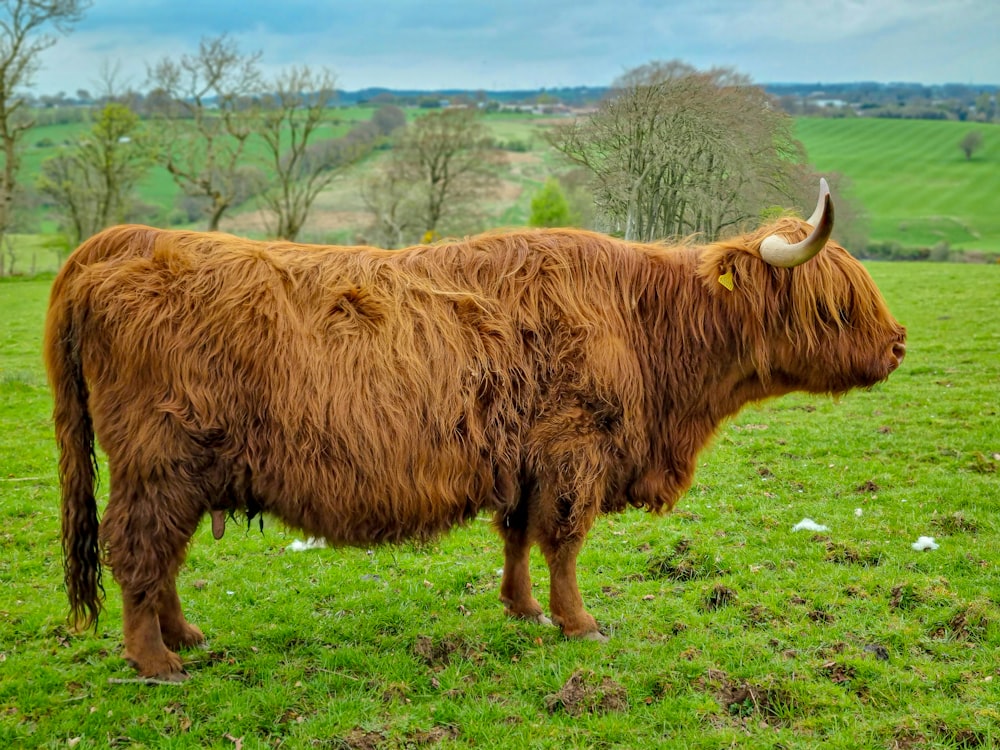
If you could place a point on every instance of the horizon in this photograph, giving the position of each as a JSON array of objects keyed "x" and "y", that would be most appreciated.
[{"x": 819, "y": 85}]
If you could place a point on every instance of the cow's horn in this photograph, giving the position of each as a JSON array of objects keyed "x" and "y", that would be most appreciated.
[{"x": 777, "y": 251}]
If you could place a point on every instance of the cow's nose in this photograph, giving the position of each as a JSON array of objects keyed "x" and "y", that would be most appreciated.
[{"x": 899, "y": 351}]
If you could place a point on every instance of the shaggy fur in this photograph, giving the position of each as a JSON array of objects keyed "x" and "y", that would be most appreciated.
[{"x": 367, "y": 396}]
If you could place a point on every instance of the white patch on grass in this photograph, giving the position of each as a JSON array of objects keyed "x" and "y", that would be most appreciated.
[
  {"x": 858, "y": 512},
  {"x": 311, "y": 543},
  {"x": 807, "y": 524},
  {"x": 925, "y": 543}
]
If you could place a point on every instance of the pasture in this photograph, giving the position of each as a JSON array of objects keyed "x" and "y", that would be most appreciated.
[
  {"x": 727, "y": 628},
  {"x": 912, "y": 179},
  {"x": 909, "y": 177}
]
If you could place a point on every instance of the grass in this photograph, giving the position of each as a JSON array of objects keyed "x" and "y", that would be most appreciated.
[
  {"x": 912, "y": 179},
  {"x": 727, "y": 628},
  {"x": 909, "y": 176}
]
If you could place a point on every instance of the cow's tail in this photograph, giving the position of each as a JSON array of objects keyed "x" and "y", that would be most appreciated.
[{"x": 74, "y": 432}]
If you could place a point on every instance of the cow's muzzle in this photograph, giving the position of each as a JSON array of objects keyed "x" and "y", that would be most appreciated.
[{"x": 897, "y": 353}]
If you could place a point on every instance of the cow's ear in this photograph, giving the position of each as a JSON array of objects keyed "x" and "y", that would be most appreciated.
[
  {"x": 718, "y": 270},
  {"x": 726, "y": 280}
]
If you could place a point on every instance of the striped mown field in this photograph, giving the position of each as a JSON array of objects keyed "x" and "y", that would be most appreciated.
[{"x": 912, "y": 178}]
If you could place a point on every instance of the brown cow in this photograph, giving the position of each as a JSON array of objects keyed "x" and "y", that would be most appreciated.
[{"x": 365, "y": 395}]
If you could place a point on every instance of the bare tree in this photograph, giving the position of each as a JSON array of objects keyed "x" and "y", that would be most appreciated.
[
  {"x": 449, "y": 158},
  {"x": 22, "y": 40},
  {"x": 388, "y": 118},
  {"x": 92, "y": 184},
  {"x": 291, "y": 117},
  {"x": 206, "y": 121},
  {"x": 675, "y": 151},
  {"x": 440, "y": 167},
  {"x": 391, "y": 198}
]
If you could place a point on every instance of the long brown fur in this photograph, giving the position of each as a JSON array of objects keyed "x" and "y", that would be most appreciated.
[{"x": 367, "y": 396}]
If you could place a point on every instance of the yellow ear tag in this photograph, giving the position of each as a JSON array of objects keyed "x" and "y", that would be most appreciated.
[{"x": 727, "y": 280}]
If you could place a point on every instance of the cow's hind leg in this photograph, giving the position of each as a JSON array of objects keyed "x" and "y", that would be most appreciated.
[{"x": 146, "y": 532}]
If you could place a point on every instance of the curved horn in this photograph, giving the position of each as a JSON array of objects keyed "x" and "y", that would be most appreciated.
[{"x": 777, "y": 251}]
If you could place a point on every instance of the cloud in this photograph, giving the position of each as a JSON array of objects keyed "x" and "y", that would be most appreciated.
[{"x": 524, "y": 44}]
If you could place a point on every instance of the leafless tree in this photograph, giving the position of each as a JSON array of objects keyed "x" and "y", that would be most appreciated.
[
  {"x": 449, "y": 158},
  {"x": 392, "y": 200},
  {"x": 23, "y": 37},
  {"x": 92, "y": 184},
  {"x": 292, "y": 115},
  {"x": 388, "y": 118},
  {"x": 676, "y": 151},
  {"x": 441, "y": 167},
  {"x": 205, "y": 122}
]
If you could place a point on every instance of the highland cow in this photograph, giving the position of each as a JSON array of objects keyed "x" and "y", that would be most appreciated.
[{"x": 364, "y": 395}]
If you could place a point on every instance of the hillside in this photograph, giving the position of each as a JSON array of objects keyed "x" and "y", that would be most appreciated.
[
  {"x": 912, "y": 179},
  {"x": 909, "y": 176}
]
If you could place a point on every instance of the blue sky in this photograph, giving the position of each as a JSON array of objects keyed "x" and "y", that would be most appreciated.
[{"x": 514, "y": 44}]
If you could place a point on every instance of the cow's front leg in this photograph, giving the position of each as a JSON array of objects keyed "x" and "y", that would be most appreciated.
[
  {"x": 565, "y": 601},
  {"x": 571, "y": 485},
  {"x": 515, "y": 589}
]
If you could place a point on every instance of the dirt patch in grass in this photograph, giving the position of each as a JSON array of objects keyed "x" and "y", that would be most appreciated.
[
  {"x": 955, "y": 523},
  {"x": 844, "y": 554},
  {"x": 837, "y": 672},
  {"x": 359, "y": 739},
  {"x": 433, "y": 736},
  {"x": 968, "y": 623},
  {"x": 719, "y": 596},
  {"x": 437, "y": 653},
  {"x": 963, "y": 738},
  {"x": 904, "y": 597},
  {"x": 585, "y": 693},
  {"x": 742, "y": 700},
  {"x": 760, "y": 616},
  {"x": 985, "y": 464},
  {"x": 907, "y": 739},
  {"x": 682, "y": 563},
  {"x": 939, "y": 735}
]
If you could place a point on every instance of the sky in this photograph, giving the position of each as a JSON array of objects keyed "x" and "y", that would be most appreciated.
[{"x": 529, "y": 44}]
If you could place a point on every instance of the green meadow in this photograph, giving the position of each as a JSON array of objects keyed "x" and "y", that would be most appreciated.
[
  {"x": 909, "y": 177},
  {"x": 727, "y": 628},
  {"x": 912, "y": 179}
]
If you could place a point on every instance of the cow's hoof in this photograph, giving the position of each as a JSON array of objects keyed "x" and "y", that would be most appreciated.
[
  {"x": 594, "y": 635},
  {"x": 539, "y": 619},
  {"x": 163, "y": 667},
  {"x": 185, "y": 636}
]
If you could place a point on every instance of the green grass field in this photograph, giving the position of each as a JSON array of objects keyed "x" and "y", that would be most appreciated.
[
  {"x": 909, "y": 176},
  {"x": 912, "y": 179},
  {"x": 727, "y": 628}
]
